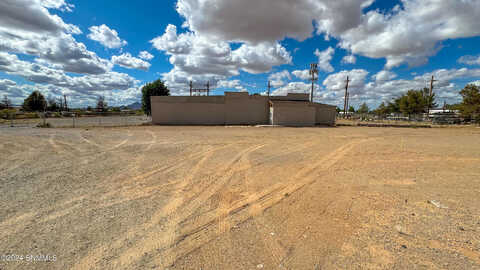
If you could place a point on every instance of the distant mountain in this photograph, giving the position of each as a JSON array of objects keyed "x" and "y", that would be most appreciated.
[{"x": 135, "y": 106}]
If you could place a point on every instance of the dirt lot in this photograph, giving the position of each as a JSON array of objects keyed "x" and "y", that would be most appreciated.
[{"x": 240, "y": 198}]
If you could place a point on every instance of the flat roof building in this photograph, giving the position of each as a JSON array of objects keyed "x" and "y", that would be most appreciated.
[{"x": 240, "y": 108}]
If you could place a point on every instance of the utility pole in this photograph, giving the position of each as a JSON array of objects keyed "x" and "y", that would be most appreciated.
[
  {"x": 208, "y": 88},
  {"x": 345, "y": 104},
  {"x": 431, "y": 95},
  {"x": 66, "y": 106},
  {"x": 313, "y": 71},
  {"x": 191, "y": 88},
  {"x": 269, "y": 87},
  {"x": 431, "y": 85}
]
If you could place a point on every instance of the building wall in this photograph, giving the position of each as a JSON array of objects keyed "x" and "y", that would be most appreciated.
[
  {"x": 188, "y": 110},
  {"x": 239, "y": 109},
  {"x": 293, "y": 114},
  {"x": 325, "y": 114},
  {"x": 242, "y": 109}
]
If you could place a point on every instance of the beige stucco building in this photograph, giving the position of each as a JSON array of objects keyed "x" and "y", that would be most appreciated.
[{"x": 240, "y": 108}]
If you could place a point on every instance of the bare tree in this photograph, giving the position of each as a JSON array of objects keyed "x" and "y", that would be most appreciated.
[
  {"x": 6, "y": 103},
  {"x": 101, "y": 104}
]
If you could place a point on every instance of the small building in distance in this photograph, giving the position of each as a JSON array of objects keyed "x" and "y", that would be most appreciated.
[{"x": 240, "y": 108}]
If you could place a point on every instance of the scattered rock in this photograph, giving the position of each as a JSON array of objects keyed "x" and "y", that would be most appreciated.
[
  {"x": 404, "y": 246},
  {"x": 259, "y": 266}
]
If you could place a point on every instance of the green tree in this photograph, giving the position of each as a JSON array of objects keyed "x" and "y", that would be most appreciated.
[
  {"x": 470, "y": 107},
  {"x": 156, "y": 88},
  {"x": 428, "y": 100},
  {"x": 454, "y": 107},
  {"x": 35, "y": 102},
  {"x": 363, "y": 109},
  {"x": 412, "y": 103},
  {"x": 394, "y": 106},
  {"x": 382, "y": 110},
  {"x": 351, "y": 109},
  {"x": 416, "y": 102}
]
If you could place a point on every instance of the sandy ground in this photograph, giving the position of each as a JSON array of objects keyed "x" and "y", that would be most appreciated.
[{"x": 239, "y": 198}]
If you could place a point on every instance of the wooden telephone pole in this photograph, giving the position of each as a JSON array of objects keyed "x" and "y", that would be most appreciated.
[
  {"x": 345, "y": 104},
  {"x": 66, "y": 105},
  {"x": 431, "y": 85},
  {"x": 430, "y": 95}
]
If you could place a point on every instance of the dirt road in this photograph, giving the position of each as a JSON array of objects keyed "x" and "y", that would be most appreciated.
[{"x": 240, "y": 198}]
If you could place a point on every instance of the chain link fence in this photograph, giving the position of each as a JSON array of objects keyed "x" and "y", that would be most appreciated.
[
  {"x": 398, "y": 119},
  {"x": 71, "y": 120}
]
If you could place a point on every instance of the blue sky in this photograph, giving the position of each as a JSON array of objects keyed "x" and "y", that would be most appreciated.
[{"x": 86, "y": 49}]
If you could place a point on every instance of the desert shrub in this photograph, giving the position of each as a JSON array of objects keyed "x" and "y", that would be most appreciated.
[
  {"x": 28, "y": 115},
  {"x": 42, "y": 125}
]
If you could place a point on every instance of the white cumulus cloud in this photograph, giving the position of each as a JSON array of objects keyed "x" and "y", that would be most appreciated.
[
  {"x": 106, "y": 36},
  {"x": 126, "y": 60},
  {"x": 469, "y": 60},
  {"x": 145, "y": 55},
  {"x": 324, "y": 58}
]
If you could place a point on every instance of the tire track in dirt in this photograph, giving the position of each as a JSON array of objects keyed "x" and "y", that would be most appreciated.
[
  {"x": 16, "y": 224},
  {"x": 155, "y": 239},
  {"x": 53, "y": 212},
  {"x": 171, "y": 250},
  {"x": 136, "y": 189},
  {"x": 123, "y": 142},
  {"x": 118, "y": 193},
  {"x": 90, "y": 142},
  {"x": 153, "y": 141},
  {"x": 255, "y": 204},
  {"x": 278, "y": 252},
  {"x": 56, "y": 148}
]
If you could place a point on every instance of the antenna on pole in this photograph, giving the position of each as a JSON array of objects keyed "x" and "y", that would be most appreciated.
[
  {"x": 200, "y": 91},
  {"x": 347, "y": 95},
  {"x": 313, "y": 71}
]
